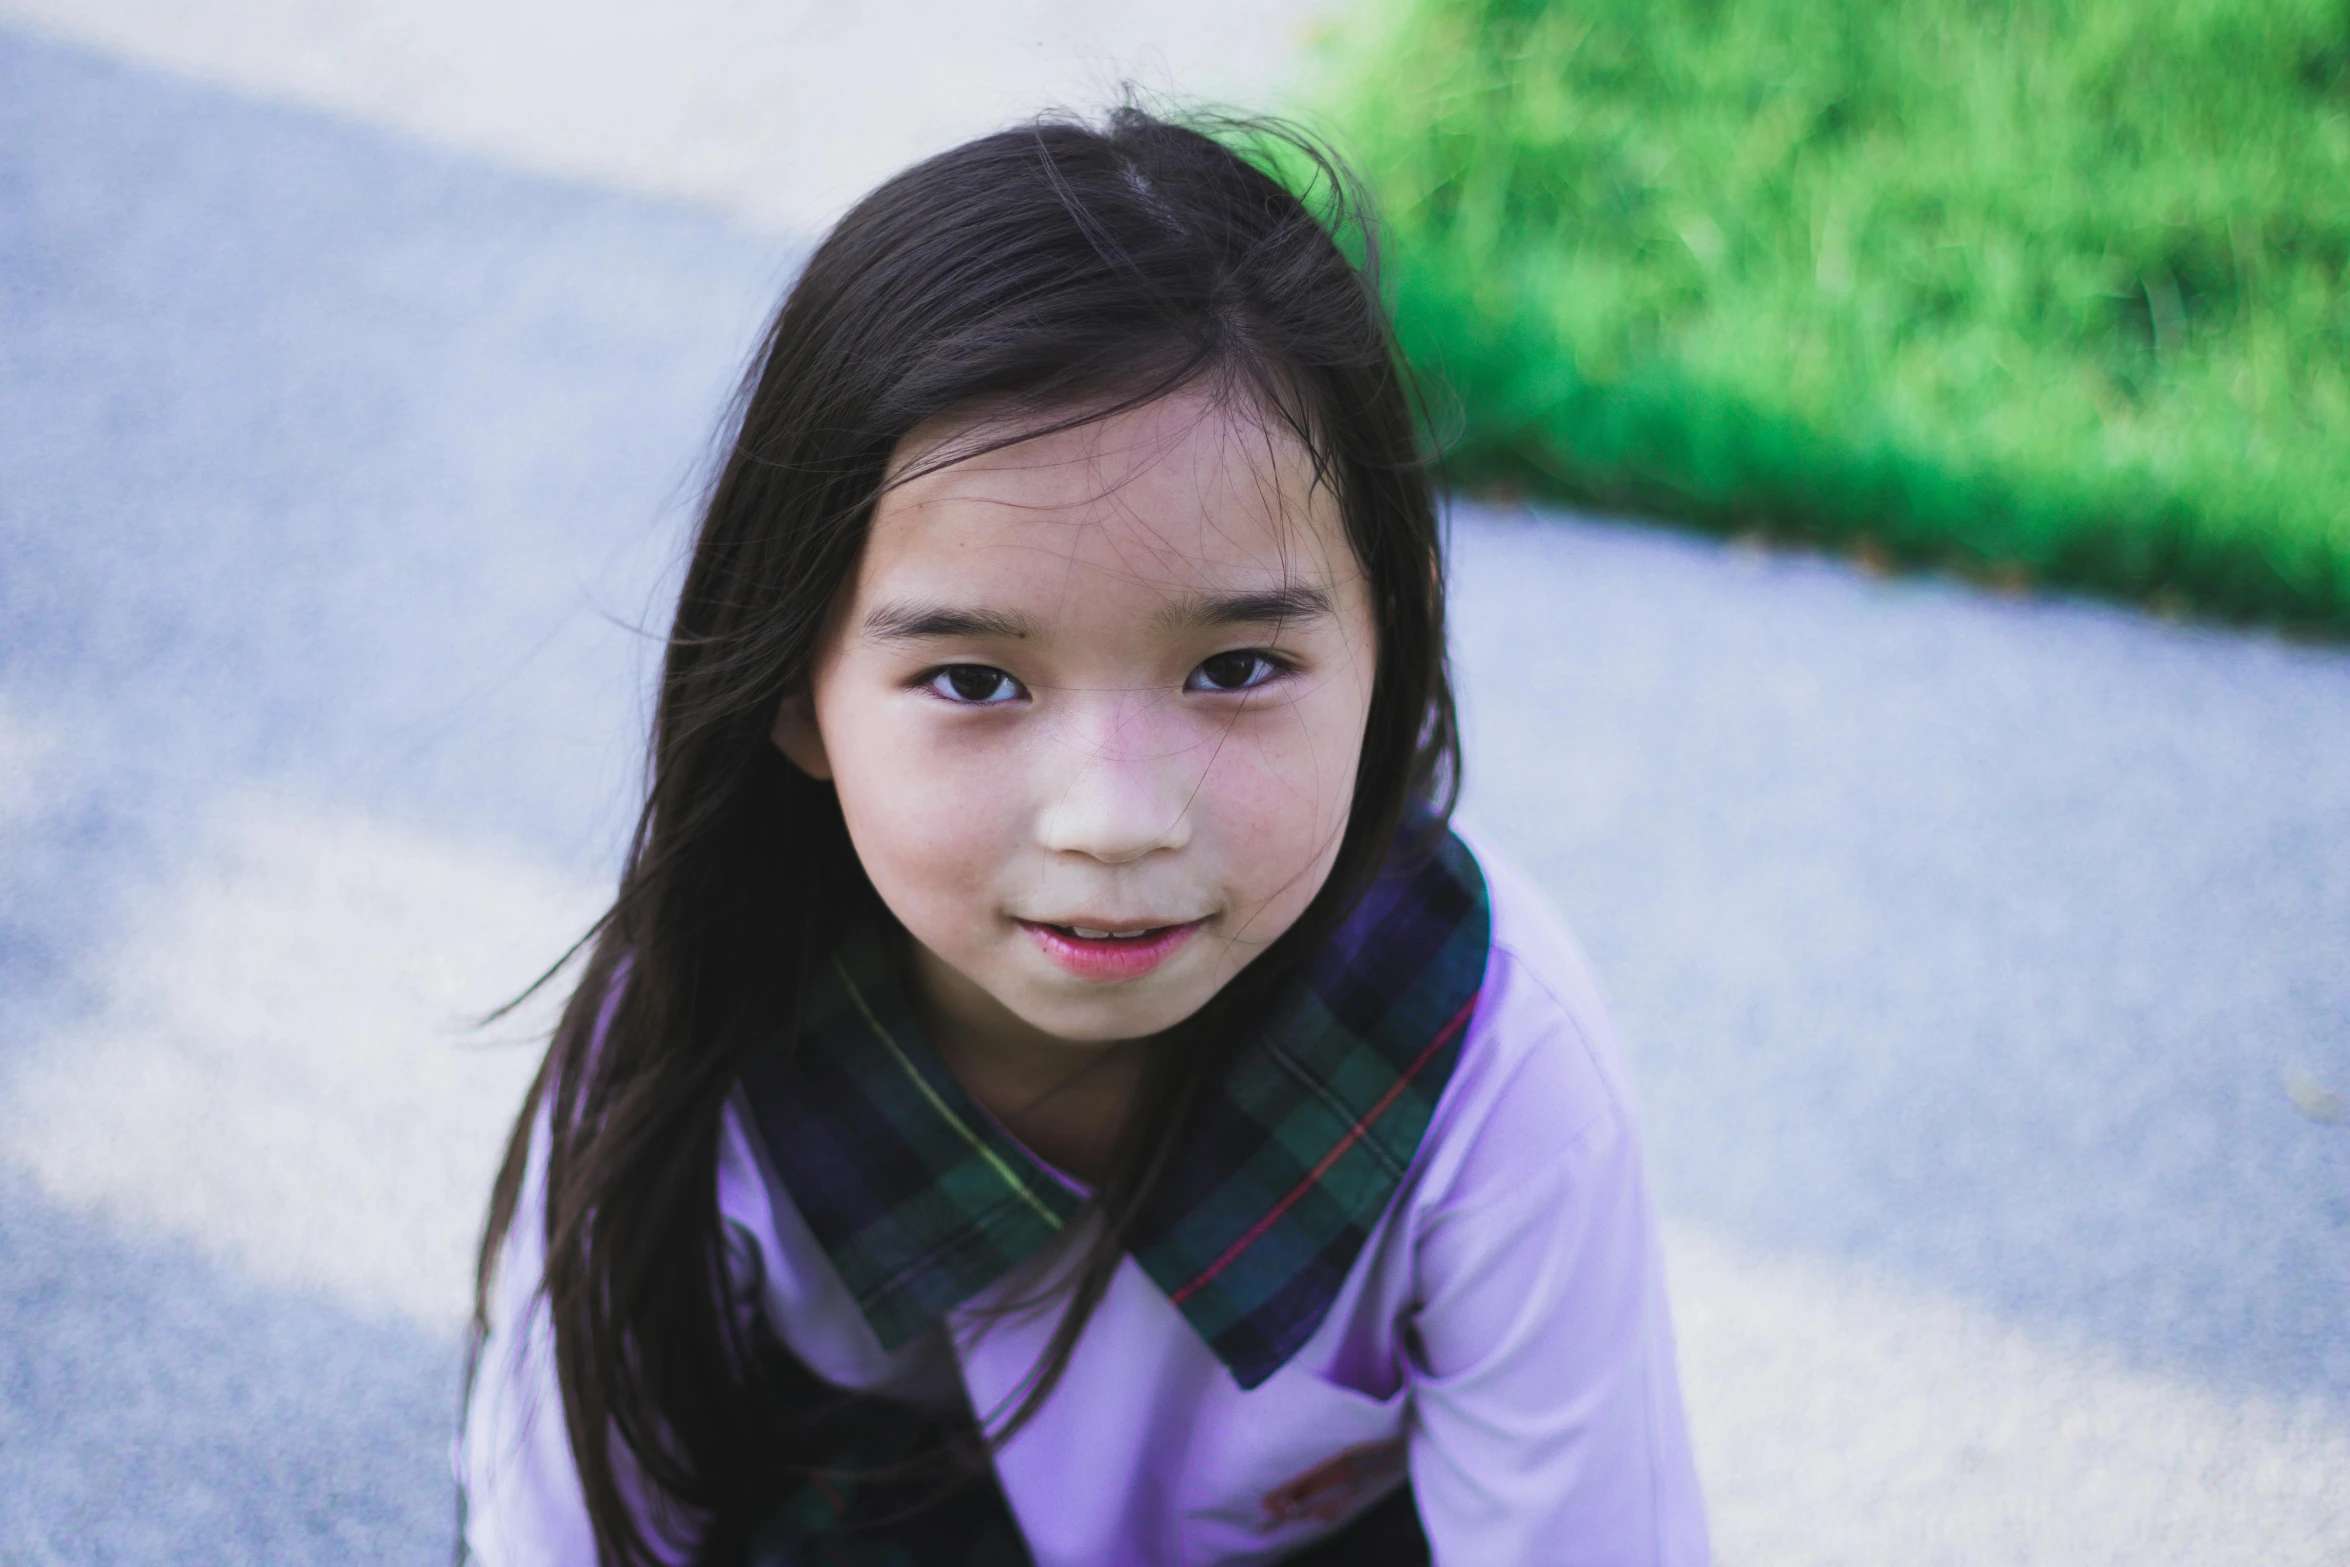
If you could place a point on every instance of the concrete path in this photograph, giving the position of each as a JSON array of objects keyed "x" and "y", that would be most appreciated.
[
  {"x": 1984, "y": 961},
  {"x": 776, "y": 112}
]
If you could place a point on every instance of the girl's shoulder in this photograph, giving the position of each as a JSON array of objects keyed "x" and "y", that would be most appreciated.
[{"x": 1541, "y": 1066}]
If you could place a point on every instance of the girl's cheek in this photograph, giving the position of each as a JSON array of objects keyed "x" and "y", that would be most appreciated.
[
  {"x": 924, "y": 795},
  {"x": 953, "y": 780},
  {"x": 1283, "y": 788}
]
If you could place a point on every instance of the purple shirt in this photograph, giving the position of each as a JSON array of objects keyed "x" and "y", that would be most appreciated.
[{"x": 1503, "y": 1339}]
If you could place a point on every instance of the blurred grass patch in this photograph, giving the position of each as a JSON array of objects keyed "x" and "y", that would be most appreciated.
[{"x": 2025, "y": 289}]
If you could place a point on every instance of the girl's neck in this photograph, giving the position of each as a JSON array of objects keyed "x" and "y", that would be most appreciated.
[{"x": 1066, "y": 1101}]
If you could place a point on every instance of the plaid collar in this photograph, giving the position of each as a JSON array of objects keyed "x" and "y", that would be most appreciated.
[{"x": 921, "y": 1200}]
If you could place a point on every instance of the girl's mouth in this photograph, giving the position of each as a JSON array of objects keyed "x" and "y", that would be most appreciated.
[{"x": 1090, "y": 952}]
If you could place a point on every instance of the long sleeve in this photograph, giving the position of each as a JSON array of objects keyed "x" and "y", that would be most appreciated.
[
  {"x": 523, "y": 1503},
  {"x": 1549, "y": 1426},
  {"x": 524, "y": 1507}
]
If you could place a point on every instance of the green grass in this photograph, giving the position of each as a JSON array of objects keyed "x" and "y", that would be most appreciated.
[{"x": 2018, "y": 289}]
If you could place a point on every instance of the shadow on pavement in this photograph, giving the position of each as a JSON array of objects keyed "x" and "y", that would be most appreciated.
[{"x": 154, "y": 1408}]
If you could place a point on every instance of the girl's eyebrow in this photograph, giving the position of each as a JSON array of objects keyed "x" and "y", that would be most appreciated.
[
  {"x": 1299, "y": 601},
  {"x": 916, "y": 622}
]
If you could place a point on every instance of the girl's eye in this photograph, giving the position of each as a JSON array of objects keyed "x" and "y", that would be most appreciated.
[
  {"x": 975, "y": 685},
  {"x": 1240, "y": 671}
]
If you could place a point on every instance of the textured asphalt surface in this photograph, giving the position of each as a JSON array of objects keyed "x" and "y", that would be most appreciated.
[{"x": 1986, "y": 963}]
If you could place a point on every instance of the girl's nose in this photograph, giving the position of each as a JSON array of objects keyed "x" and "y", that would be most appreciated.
[{"x": 1122, "y": 796}]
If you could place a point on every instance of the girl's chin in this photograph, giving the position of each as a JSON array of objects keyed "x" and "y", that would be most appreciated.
[{"x": 1099, "y": 1017}]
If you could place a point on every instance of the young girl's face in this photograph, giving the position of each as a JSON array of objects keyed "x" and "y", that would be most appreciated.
[{"x": 1093, "y": 706}]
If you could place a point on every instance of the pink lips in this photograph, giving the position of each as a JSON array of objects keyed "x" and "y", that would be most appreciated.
[{"x": 1111, "y": 958}]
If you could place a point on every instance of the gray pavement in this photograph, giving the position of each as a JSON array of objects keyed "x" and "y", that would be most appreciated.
[
  {"x": 1967, "y": 947},
  {"x": 1974, "y": 939}
]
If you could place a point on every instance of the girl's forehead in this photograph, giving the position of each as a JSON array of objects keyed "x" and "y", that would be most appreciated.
[{"x": 1188, "y": 493}]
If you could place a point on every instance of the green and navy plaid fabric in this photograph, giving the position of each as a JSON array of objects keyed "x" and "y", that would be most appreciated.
[
  {"x": 917, "y": 1195},
  {"x": 1284, "y": 1175},
  {"x": 921, "y": 1200}
]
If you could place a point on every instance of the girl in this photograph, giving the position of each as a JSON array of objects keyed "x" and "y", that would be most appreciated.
[{"x": 1051, "y": 1087}]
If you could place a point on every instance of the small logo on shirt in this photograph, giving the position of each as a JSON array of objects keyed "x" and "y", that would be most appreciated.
[{"x": 1333, "y": 1488}]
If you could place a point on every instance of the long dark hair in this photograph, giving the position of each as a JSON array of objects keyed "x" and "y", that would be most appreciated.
[{"x": 1061, "y": 271}]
